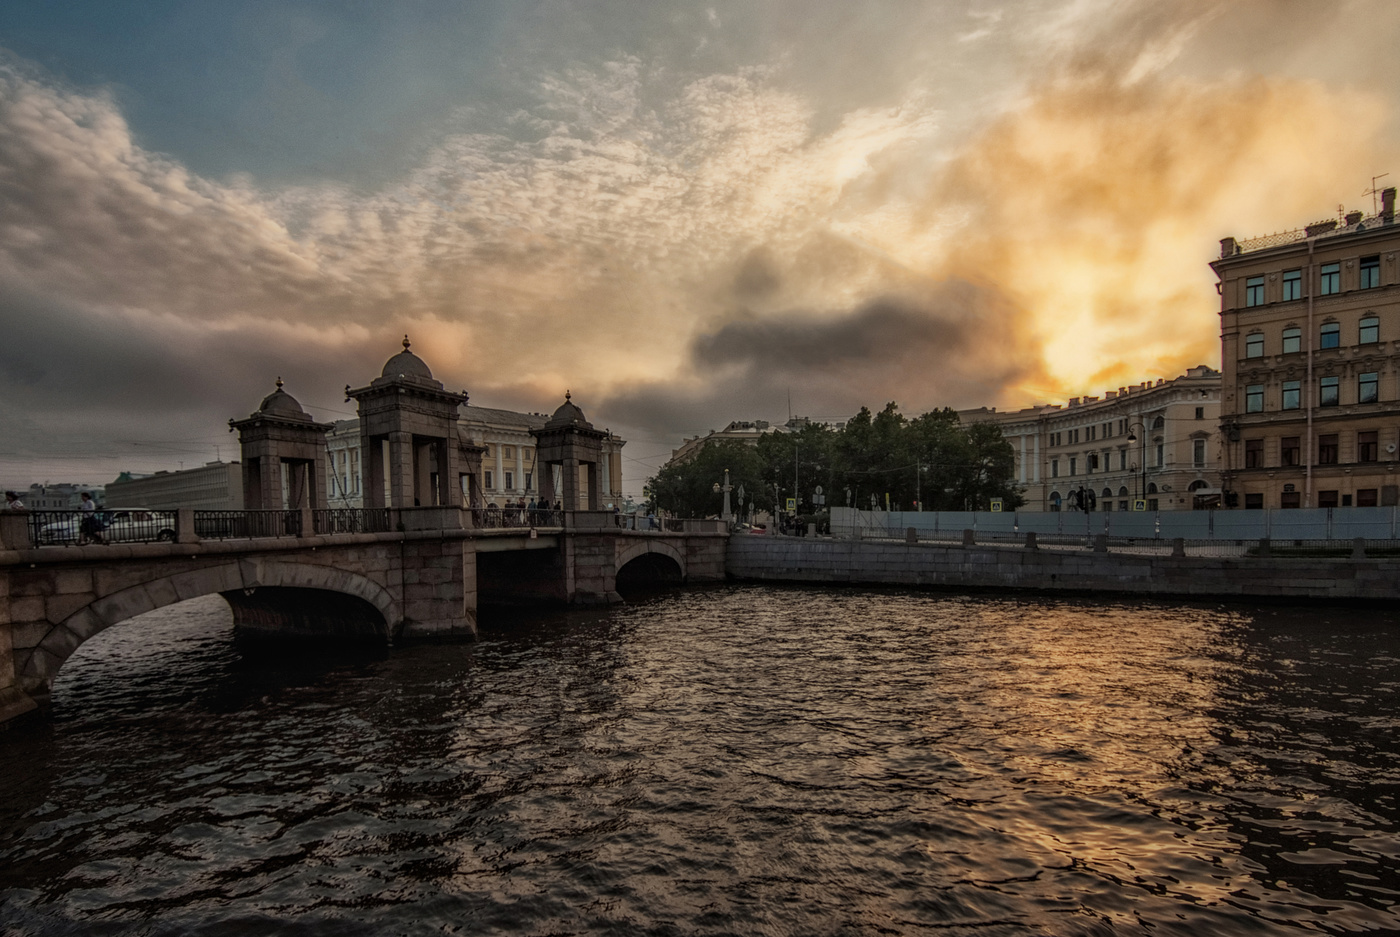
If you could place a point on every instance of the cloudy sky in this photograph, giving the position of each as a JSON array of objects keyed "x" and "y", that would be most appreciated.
[{"x": 684, "y": 212}]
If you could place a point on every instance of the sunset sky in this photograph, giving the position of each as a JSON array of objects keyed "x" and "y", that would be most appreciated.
[{"x": 684, "y": 212}]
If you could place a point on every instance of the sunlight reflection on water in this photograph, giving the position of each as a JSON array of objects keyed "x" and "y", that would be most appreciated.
[{"x": 727, "y": 760}]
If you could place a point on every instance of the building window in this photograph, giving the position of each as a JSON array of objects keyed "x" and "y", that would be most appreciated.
[
  {"x": 1370, "y": 272},
  {"x": 1159, "y": 423},
  {"x": 1290, "y": 499},
  {"x": 1254, "y": 345},
  {"x": 1054, "y": 468},
  {"x": 1254, "y": 398},
  {"x": 1198, "y": 452},
  {"x": 1160, "y": 463},
  {"x": 529, "y": 481},
  {"x": 1292, "y": 285},
  {"x": 1253, "y": 453},
  {"x": 1331, "y": 279},
  {"x": 1331, "y": 335},
  {"x": 1254, "y": 291},
  {"x": 1122, "y": 460},
  {"x": 1327, "y": 449},
  {"x": 1289, "y": 450},
  {"x": 486, "y": 476},
  {"x": 510, "y": 480},
  {"x": 1072, "y": 466},
  {"x": 1254, "y": 501},
  {"x": 1292, "y": 394},
  {"x": 1327, "y": 391},
  {"x": 1366, "y": 497},
  {"x": 1366, "y": 387},
  {"x": 1327, "y": 499},
  {"x": 1370, "y": 331},
  {"x": 1200, "y": 413},
  {"x": 1292, "y": 340},
  {"x": 1367, "y": 446},
  {"x": 1091, "y": 462}
]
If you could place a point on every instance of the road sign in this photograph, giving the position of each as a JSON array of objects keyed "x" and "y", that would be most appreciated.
[
  {"x": 996, "y": 505},
  {"x": 1140, "y": 504},
  {"x": 792, "y": 505}
]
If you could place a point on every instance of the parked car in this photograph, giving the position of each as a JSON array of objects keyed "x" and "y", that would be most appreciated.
[{"x": 121, "y": 525}]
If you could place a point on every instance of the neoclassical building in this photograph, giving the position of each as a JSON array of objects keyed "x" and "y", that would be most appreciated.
[
  {"x": 1154, "y": 443},
  {"x": 508, "y": 465},
  {"x": 1310, "y": 350}
]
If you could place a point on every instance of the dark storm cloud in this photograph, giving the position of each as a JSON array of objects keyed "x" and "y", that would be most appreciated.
[{"x": 955, "y": 344}]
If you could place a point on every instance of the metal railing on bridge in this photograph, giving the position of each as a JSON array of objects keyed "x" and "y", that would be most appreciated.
[
  {"x": 351, "y": 521},
  {"x": 499, "y": 518},
  {"x": 115, "y": 525},
  {"x": 133, "y": 525},
  {"x": 231, "y": 525}
]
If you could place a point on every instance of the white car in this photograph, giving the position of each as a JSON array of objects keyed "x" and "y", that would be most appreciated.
[{"x": 119, "y": 525}]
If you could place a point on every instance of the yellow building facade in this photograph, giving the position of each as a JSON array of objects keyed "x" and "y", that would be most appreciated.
[{"x": 1310, "y": 356}]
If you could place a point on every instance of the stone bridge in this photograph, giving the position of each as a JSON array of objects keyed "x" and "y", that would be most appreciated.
[{"x": 423, "y": 577}]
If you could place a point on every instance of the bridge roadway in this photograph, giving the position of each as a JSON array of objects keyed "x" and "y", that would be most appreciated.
[{"x": 422, "y": 579}]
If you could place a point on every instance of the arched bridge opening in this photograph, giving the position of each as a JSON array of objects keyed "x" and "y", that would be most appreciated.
[
  {"x": 267, "y": 598},
  {"x": 649, "y": 572},
  {"x": 282, "y": 612}
]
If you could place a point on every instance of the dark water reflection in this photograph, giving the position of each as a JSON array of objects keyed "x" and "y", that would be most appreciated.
[{"x": 742, "y": 760}]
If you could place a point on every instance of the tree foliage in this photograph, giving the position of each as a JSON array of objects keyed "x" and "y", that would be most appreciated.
[{"x": 933, "y": 459}]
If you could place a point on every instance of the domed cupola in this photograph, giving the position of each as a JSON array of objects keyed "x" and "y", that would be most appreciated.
[
  {"x": 283, "y": 406},
  {"x": 406, "y": 364},
  {"x": 568, "y": 414}
]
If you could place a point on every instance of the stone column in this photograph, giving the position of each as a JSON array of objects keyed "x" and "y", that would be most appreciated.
[
  {"x": 400, "y": 470},
  {"x": 270, "y": 477},
  {"x": 252, "y": 484},
  {"x": 595, "y": 492},
  {"x": 320, "y": 480},
  {"x": 423, "y": 465},
  {"x": 571, "y": 492},
  {"x": 449, "y": 468},
  {"x": 544, "y": 481}
]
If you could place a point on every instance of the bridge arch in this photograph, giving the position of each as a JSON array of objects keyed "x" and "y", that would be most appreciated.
[
  {"x": 651, "y": 546},
  {"x": 63, "y": 638},
  {"x": 650, "y": 562}
]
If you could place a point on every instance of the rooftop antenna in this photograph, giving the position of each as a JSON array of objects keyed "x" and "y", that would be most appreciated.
[{"x": 1374, "y": 191}]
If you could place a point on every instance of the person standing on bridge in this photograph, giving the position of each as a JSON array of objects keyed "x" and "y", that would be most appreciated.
[
  {"x": 88, "y": 529},
  {"x": 12, "y": 502}
]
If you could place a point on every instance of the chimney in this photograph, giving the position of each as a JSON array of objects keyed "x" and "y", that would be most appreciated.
[
  {"x": 1228, "y": 248},
  {"x": 1388, "y": 205},
  {"x": 1354, "y": 217},
  {"x": 1320, "y": 227}
]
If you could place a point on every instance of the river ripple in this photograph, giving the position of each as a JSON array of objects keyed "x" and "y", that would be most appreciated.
[{"x": 733, "y": 760}]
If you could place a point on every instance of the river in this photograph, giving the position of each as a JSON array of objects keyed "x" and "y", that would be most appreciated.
[{"x": 730, "y": 760}]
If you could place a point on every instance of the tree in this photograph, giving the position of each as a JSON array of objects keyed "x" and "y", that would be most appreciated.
[
  {"x": 687, "y": 489},
  {"x": 932, "y": 459}
]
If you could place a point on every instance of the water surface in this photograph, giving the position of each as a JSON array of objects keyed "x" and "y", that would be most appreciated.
[{"x": 734, "y": 760}]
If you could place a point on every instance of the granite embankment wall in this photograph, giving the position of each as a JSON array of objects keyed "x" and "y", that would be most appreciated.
[{"x": 795, "y": 559}]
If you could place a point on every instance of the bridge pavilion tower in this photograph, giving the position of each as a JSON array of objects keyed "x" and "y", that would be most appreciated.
[
  {"x": 282, "y": 438},
  {"x": 414, "y": 417},
  {"x": 570, "y": 441}
]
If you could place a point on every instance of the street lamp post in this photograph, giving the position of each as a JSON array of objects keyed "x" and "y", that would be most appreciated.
[
  {"x": 1142, "y": 458},
  {"x": 726, "y": 515}
]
